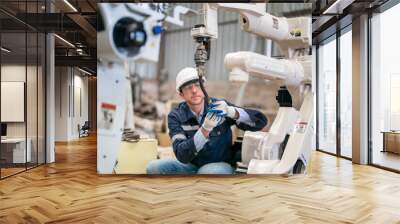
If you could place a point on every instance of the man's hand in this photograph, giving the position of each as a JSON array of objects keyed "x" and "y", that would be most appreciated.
[
  {"x": 221, "y": 108},
  {"x": 211, "y": 121}
]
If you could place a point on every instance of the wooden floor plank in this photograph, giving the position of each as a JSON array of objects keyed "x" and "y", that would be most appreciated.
[{"x": 70, "y": 191}]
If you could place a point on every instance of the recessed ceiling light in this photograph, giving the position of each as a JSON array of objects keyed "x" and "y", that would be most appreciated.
[
  {"x": 338, "y": 6},
  {"x": 5, "y": 50},
  {"x": 65, "y": 41},
  {"x": 86, "y": 72},
  {"x": 70, "y": 5}
]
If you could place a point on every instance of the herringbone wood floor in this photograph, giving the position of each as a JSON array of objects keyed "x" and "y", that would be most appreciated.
[{"x": 70, "y": 191}]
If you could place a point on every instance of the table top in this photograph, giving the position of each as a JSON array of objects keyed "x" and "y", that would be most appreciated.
[
  {"x": 14, "y": 140},
  {"x": 391, "y": 132}
]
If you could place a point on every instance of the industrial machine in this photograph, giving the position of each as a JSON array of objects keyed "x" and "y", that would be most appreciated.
[
  {"x": 287, "y": 147},
  {"x": 129, "y": 33}
]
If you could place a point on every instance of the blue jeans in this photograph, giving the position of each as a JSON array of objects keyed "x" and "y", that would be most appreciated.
[{"x": 171, "y": 166}]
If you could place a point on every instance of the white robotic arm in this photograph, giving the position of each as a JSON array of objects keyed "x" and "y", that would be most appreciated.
[
  {"x": 293, "y": 123},
  {"x": 291, "y": 73},
  {"x": 242, "y": 63},
  {"x": 264, "y": 157},
  {"x": 289, "y": 33}
]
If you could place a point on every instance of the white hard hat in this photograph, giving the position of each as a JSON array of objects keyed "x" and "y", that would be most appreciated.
[{"x": 186, "y": 75}]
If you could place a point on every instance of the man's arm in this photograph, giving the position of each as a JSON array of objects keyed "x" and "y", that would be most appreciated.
[
  {"x": 185, "y": 149},
  {"x": 249, "y": 119}
]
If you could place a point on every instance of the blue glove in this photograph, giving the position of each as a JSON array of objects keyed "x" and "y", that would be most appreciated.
[
  {"x": 211, "y": 121},
  {"x": 221, "y": 108}
]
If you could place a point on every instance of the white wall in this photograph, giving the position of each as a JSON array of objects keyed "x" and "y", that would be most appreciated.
[
  {"x": 80, "y": 109},
  {"x": 33, "y": 126},
  {"x": 71, "y": 94},
  {"x": 15, "y": 73},
  {"x": 62, "y": 82}
]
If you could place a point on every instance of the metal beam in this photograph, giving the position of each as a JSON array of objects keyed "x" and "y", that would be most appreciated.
[
  {"x": 86, "y": 27},
  {"x": 47, "y": 22},
  {"x": 331, "y": 27},
  {"x": 81, "y": 61}
]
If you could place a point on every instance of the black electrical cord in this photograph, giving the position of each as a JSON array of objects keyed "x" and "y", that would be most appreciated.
[
  {"x": 206, "y": 98},
  {"x": 201, "y": 56}
]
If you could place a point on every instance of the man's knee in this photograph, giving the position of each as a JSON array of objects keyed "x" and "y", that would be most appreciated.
[
  {"x": 169, "y": 166},
  {"x": 155, "y": 167},
  {"x": 216, "y": 168}
]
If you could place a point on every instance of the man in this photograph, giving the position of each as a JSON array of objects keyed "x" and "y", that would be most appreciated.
[{"x": 201, "y": 137}]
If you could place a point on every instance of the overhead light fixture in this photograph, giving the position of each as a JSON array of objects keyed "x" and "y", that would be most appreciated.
[
  {"x": 70, "y": 5},
  {"x": 84, "y": 71},
  {"x": 337, "y": 7},
  {"x": 65, "y": 41},
  {"x": 329, "y": 9},
  {"x": 80, "y": 51},
  {"x": 5, "y": 50}
]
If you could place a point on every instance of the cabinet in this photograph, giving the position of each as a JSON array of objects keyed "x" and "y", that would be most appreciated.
[
  {"x": 391, "y": 141},
  {"x": 13, "y": 150}
]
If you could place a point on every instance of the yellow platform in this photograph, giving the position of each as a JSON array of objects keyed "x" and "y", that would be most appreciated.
[{"x": 134, "y": 156}]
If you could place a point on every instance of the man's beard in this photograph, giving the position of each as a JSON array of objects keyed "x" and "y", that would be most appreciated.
[{"x": 201, "y": 102}]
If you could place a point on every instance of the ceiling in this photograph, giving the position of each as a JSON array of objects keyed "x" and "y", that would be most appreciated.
[{"x": 77, "y": 25}]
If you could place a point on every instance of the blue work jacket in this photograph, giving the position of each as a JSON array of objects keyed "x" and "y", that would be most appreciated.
[{"x": 183, "y": 125}]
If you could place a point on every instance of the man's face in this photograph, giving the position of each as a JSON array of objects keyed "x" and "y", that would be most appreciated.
[{"x": 192, "y": 94}]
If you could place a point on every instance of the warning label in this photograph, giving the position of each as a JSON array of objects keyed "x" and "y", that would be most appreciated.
[
  {"x": 301, "y": 127},
  {"x": 107, "y": 116}
]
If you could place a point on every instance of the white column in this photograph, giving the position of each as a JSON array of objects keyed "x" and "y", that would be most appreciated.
[
  {"x": 50, "y": 92},
  {"x": 360, "y": 90},
  {"x": 50, "y": 99}
]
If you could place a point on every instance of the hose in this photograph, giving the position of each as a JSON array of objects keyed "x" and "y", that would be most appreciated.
[
  {"x": 201, "y": 56},
  {"x": 201, "y": 81}
]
